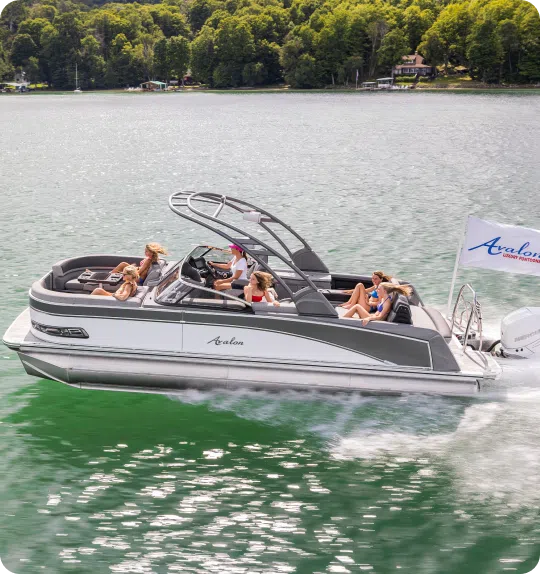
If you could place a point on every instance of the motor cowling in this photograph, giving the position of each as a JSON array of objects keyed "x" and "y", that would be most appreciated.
[{"x": 520, "y": 333}]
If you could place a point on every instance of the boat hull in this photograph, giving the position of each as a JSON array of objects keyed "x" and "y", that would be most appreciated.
[
  {"x": 166, "y": 373},
  {"x": 158, "y": 374}
]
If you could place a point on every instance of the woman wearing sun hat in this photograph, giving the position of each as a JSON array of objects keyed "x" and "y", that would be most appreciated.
[{"x": 237, "y": 265}]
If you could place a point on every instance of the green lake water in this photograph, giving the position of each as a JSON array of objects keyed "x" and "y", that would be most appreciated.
[{"x": 237, "y": 482}]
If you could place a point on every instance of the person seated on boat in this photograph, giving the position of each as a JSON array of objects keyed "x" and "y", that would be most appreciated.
[
  {"x": 128, "y": 287},
  {"x": 386, "y": 292},
  {"x": 259, "y": 287},
  {"x": 238, "y": 267},
  {"x": 368, "y": 298},
  {"x": 151, "y": 256}
]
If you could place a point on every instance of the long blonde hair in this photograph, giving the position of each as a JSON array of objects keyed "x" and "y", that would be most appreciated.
[
  {"x": 155, "y": 249},
  {"x": 264, "y": 280},
  {"x": 391, "y": 288}
]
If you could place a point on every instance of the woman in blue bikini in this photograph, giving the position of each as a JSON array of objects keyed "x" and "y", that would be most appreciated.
[
  {"x": 386, "y": 292},
  {"x": 368, "y": 299}
]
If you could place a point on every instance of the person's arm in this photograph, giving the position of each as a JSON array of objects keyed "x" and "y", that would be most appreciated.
[
  {"x": 220, "y": 265},
  {"x": 270, "y": 299},
  {"x": 380, "y": 316},
  {"x": 236, "y": 275},
  {"x": 123, "y": 293},
  {"x": 145, "y": 267},
  {"x": 248, "y": 293}
]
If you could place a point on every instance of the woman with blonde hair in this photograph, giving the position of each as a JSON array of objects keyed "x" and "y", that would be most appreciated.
[
  {"x": 386, "y": 292},
  {"x": 128, "y": 287},
  {"x": 259, "y": 288},
  {"x": 152, "y": 252},
  {"x": 367, "y": 298}
]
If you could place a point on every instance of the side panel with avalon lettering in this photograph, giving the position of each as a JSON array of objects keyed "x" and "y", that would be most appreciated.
[{"x": 243, "y": 342}]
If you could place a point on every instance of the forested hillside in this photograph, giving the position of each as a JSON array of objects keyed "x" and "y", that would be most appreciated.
[{"x": 305, "y": 43}]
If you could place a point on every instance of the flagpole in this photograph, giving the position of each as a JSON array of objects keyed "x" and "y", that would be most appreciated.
[{"x": 456, "y": 266}]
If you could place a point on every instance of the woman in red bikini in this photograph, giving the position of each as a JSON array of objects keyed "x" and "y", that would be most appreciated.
[{"x": 258, "y": 288}]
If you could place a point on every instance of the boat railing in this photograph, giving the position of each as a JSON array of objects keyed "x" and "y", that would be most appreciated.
[{"x": 466, "y": 321}]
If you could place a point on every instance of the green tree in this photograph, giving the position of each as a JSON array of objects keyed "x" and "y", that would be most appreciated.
[
  {"x": 508, "y": 34},
  {"x": 416, "y": 23},
  {"x": 22, "y": 49},
  {"x": 234, "y": 48},
  {"x": 6, "y": 70},
  {"x": 301, "y": 10},
  {"x": 199, "y": 11},
  {"x": 162, "y": 65},
  {"x": 331, "y": 48},
  {"x": 306, "y": 73},
  {"x": 32, "y": 70},
  {"x": 393, "y": 47},
  {"x": 13, "y": 14},
  {"x": 484, "y": 51},
  {"x": 203, "y": 55},
  {"x": 529, "y": 29},
  {"x": 34, "y": 28},
  {"x": 254, "y": 73},
  {"x": 268, "y": 54},
  {"x": 179, "y": 53},
  {"x": 170, "y": 20},
  {"x": 123, "y": 68},
  {"x": 105, "y": 26},
  {"x": 446, "y": 41},
  {"x": 93, "y": 66}
]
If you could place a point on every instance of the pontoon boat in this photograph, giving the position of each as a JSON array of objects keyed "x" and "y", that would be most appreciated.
[{"x": 179, "y": 332}]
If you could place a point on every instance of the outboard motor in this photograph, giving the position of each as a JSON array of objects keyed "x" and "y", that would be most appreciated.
[{"x": 520, "y": 333}]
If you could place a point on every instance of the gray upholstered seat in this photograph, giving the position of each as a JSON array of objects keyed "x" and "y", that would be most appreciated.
[
  {"x": 440, "y": 322},
  {"x": 401, "y": 311},
  {"x": 62, "y": 297},
  {"x": 155, "y": 273},
  {"x": 69, "y": 269},
  {"x": 288, "y": 308}
]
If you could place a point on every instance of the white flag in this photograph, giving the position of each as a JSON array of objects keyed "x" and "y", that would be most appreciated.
[{"x": 504, "y": 247}]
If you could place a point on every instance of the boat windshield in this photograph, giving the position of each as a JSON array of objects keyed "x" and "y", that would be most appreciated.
[
  {"x": 172, "y": 291},
  {"x": 169, "y": 280},
  {"x": 211, "y": 254},
  {"x": 178, "y": 288}
]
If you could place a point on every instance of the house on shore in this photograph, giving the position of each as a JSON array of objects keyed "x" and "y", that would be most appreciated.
[{"x": 412, "y": 65}]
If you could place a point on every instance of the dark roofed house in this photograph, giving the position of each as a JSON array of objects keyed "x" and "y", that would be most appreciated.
[{"x": 413, "y": 64}]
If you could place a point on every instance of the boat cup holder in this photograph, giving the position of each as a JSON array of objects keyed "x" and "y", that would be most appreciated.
[{"x": 104, "y": 277}]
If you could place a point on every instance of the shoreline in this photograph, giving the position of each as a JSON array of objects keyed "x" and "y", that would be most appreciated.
[{"x": 285, "y": 89}]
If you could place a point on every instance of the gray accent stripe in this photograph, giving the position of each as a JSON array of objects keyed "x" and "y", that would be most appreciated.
[{"x": 402, "y": 351}]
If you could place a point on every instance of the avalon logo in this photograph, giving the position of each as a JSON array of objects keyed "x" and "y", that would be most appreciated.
[
  {"x": 232, "y": 341},
  {"x": 494, "y": 248}
]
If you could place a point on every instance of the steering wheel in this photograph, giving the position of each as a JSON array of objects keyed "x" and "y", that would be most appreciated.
[{"x": 218, "y": 273}]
